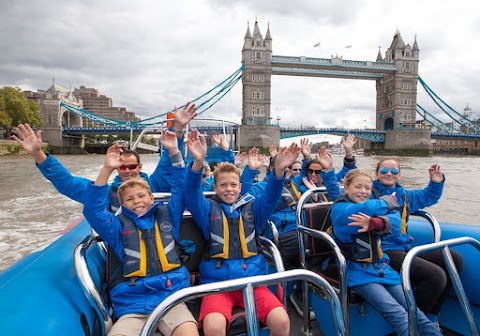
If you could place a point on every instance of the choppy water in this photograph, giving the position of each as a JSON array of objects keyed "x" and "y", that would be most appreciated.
[{"x": 32, "y": 212}]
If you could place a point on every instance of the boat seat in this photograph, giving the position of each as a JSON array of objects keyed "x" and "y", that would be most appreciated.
[{"x": 320, "y": 258}]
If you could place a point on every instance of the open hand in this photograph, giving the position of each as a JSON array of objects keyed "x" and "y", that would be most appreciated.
[
  {"x": 361, "y": 220},
  {"x": 253, "y": 161},
  {"x": 183, "y": 117},
  {"x": 220, "y": 141},
  {"x": 169, "y": 141},
  {"x": 435, "y": 173},
  {"x": 197, "y": 145}
]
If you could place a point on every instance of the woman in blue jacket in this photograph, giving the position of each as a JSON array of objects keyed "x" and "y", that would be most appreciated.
[
  {"x": 429, "y": 274},
  {"x": 358, "y": 225}
]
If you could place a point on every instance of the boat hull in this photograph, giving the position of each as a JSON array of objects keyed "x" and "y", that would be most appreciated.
[{"x": 41, "y": 294}]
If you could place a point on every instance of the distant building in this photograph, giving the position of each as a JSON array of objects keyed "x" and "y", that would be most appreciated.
[
  {"x": 57, "y": 117},
  {"x": 100, "y": 104},
  {"x": 469, "y": 113}
]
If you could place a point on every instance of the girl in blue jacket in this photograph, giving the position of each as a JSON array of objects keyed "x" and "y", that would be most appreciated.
[
  {"x": 429, "y": 274},
  {"x": 358, "y": 224}
]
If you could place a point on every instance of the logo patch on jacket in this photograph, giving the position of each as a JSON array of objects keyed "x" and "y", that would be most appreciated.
[
  {"x": 165, "y": 226},
  {"x": 214, "y": 218},
  {"x": 249, "y": 215}
]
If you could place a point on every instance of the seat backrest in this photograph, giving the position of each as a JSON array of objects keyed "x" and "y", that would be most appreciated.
[
  {"x": 190, "y": 231},
  {"x": 317, "y": 216}
]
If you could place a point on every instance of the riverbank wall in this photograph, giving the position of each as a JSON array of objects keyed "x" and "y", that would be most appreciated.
[{"x": 11, "y": 147}]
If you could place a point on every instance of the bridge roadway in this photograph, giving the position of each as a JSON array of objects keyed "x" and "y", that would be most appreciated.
[
  {"x": 285, "y": 132},
  {"x": 334, "y": 67}
]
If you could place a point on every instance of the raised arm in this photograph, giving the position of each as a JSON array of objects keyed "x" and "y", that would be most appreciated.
[
  {"x": 251, "y": 170},
  {"x": 194, "y": 198},
  {"x": 160, "y": 180},
  {"x": 67, "y": 184},
  {"x": 430, "y": 195},
  {"x": 176, "y": 205},
  {"x": 30, "y": 141},
  {"x": 113, "y": 160},
  {"x": 183, "y": 117}
]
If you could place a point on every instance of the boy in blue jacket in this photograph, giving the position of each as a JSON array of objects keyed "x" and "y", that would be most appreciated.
[
  {"x": 230, "y": 224},
  {"x": 143, "y": 236}
]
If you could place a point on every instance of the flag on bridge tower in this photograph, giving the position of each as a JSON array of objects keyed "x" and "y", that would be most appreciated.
[{"x": 316, "y": 45}]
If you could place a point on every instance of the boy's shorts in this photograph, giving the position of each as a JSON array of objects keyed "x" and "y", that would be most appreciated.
[
  {"x": 223, "y": 303},
  {"x": 132, "y": 324}
]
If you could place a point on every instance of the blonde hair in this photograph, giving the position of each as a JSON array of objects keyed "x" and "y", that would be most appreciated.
[
  {"x": 353, "y": 174},
  {"x": 225, "y": 167},
  {"x": 207, "y": 171},
  {"x": 133, "y": 182}
]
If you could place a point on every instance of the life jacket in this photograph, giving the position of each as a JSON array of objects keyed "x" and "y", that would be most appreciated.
[
  {"x": 290, "y": 196},
  {"x": 404, "y": 209},
  {"x": 366, "y": 247},
  {"x": 146, "y": 252},
  {"x": 113, "y": 199},
  {"x": 233, "y": 238}
]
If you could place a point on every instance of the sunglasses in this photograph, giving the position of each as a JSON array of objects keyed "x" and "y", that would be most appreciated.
[
  {"x": 314, "y": 171},
  {"x": 296, "y": 169},
  {"x": 130, "y": 166},
  {"x": 385, "y": 171}
]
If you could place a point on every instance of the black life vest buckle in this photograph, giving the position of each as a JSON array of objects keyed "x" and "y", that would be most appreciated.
[{"x": 133, "y": 280}]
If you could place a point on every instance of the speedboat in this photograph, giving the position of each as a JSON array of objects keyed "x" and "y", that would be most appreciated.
[{"x": 60, "y": 288}]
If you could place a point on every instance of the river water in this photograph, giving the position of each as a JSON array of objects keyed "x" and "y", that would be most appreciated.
[{"x": 32, "y": 212}]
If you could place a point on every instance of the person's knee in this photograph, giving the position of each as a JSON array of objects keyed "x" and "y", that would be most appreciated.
[
  {"x": 278, "y": 322},
  {"x": 214, "y": 324},
  {"x": 186, "y": 329}
]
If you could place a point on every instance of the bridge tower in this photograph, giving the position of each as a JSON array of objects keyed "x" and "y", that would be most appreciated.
[
  {"x": 257, "y": 129},
  {"x": 397, "y": 92}
]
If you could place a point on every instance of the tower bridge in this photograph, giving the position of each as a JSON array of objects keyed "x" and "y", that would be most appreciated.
[{"x": 395, "y": 74}]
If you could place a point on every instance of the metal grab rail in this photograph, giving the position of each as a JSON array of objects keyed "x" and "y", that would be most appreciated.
[
  {"x": 246, "y": 285},
  {"x": 88, "y": 286},
  {"x": 276, "y": 256},
  {"x": 452, "y": 270},
  {"x": 437, "y": 230},
  {"x": 342, "y": 264}
]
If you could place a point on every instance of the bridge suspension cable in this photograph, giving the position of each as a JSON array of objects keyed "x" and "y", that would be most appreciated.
[
  {"x": 437, "y": 122},
  {"x": 225, "y": 86},
  {"x": 464, "y": 121}
]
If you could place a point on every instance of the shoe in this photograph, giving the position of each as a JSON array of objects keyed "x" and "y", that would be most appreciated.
[{"x": 297, "y": 301}]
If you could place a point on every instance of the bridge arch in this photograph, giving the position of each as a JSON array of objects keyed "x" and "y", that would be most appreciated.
[{"x": 388, "y": 124}]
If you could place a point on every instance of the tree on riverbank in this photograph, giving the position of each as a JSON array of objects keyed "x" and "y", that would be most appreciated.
[{"x": 15, "y": 108}]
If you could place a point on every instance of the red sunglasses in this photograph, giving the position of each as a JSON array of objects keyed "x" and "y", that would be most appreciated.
[{"x": 130, "y": 166}]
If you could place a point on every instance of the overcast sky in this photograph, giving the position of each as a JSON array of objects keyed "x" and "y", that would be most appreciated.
[{"x": 151, "y": 55}]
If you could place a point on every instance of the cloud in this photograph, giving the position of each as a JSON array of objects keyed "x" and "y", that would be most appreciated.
[{"x": 148, "y": 56}]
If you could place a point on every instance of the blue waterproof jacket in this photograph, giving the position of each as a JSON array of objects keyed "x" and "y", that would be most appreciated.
[
  {"x": 417, "y": 199},
  {"x": 75, "y": 187},
  {"x": 362, "y": 273},
  {"x": 147, "y": 292},
  {"x": 199, "y": 206}
]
